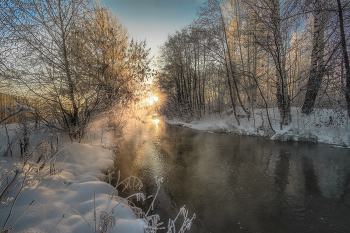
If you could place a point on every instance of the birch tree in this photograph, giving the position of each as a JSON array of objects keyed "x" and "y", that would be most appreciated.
[
  {"x": 345, "y": 55},
  {"x": 317, "y": 68}
]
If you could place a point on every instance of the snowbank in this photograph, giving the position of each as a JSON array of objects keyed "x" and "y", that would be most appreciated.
[
  {"x": 64, "y": 201},
  {"x": 322, "y": 126}
]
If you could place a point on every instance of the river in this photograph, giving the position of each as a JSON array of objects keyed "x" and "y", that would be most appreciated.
[{"x": 235, "y": 183}]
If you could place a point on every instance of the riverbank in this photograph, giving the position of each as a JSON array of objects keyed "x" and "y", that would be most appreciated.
[
  {"x": 322, "y": 126},
  {"x": 64, "y": 190}
]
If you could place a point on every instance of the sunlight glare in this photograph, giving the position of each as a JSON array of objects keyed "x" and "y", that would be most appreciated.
[
  {"x": 156, "y": 121},
  {"x": 152, "y": 100}
]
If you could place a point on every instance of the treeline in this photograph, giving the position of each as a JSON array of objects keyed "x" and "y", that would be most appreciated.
[
  {"x": 248, "y": 54},
  {"x": 7, "y": 100},
  {"x": 74, "y": 55}
]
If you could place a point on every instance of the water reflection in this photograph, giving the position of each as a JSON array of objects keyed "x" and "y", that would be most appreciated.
[
  {"x": 238, "y": 183},
  {"x": 311, "y": 180},
  {"x": 156, "y": 121}
]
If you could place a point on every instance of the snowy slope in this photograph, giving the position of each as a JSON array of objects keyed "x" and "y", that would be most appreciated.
[
  {"x": 59, "y": 197},
  {"x": 322, "y": 126}
]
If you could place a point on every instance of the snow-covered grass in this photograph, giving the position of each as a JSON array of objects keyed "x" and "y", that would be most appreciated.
[
  {"x": 58, "y": 186},
  {"x": 64, "y": 199},
  {"x": 322, "y": 126}
]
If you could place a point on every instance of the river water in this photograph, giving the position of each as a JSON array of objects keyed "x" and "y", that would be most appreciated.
[{"x": 235, "y": 183}]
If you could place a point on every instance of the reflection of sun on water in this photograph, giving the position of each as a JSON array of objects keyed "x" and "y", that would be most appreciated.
[{"x": 156, "y": 121}]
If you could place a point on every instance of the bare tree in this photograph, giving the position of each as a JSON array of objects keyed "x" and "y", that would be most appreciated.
[
  {"x": 73, "y": 56},
  {"x": 344, "y": 52},
  {"x": 261, "y": 54},
  {"x": 317, "y": 68},
  {"x": 214, "y": 21},
  {"x": 104, "y": 55},
  {"x": 43, "y": 29}
]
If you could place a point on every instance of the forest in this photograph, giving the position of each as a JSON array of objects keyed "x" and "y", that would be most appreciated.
[
  {"x": 240, "y": 56},
  {"x": 86, "y": 113}
]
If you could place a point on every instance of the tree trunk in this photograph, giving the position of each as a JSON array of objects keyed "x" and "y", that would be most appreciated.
[
  {"x": 232, "y": 68},
  {"x": 283, "y": 100},
  {"x": 345, "y": 55},
  {"x": 231, "y": 92},
  {"x": 71, "y": 86},
  {"x": 317, "y": 61}
]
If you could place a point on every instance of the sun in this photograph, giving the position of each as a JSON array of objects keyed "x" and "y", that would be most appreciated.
[{"x": 152, "y": 99}]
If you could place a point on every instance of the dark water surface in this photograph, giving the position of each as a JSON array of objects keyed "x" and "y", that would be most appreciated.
[{"x": 238, "y": 184}]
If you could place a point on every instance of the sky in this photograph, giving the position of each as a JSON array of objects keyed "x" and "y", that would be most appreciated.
[{"x": 153, "y": 20}]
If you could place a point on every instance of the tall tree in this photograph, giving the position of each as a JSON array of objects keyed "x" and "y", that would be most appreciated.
[
  {"x": 279, "y": 57},
  {"x": 215, "y": 22},
  {"x": 274, "y": 43},
  {"x": 345, "y": 53},
  {"x": 317, "y": 68}
]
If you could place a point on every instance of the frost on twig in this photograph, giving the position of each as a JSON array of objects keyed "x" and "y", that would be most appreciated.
[
  {"x": 139, "y": 196},
  {"x": 153, "y": 224},
  {"x": 110, "y": 173},
  {"x": 3, "y": 191},
  {"x": 130, "y": 182},
  {"x": 107, "y": 221},
  {"x": 137, "y": 211},
  {"x": 19, "y": 109},
  {"x": 4, "y": 229},
  {"x": 13, "y": 224},
  {"x": 159, "y": 182},
  {"x": 186, "y": 225},
  {"x": 152, "y": 220}
]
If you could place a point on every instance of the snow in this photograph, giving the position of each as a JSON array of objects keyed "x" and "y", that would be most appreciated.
[
  {"x": 60, "y": 196},
  {"x": 64, "y": 201},
  {"x": 322, "y": 126}
]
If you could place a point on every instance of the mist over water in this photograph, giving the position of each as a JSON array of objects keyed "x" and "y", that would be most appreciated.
[{"x": 235, "y": 183}]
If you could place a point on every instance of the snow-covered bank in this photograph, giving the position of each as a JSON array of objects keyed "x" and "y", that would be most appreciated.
[
  {"x": 322, "y": 126},
  {"x": 64, "y": 199}
]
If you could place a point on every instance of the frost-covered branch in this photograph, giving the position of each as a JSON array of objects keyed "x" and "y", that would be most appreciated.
[
  {"x": 130, "y": 182},
  {"x": 186, "y": 225},
  {"x": 14, "y": 202},
  {"x": 159, "y": 181},
  {"x": 19, "y": 109}
]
